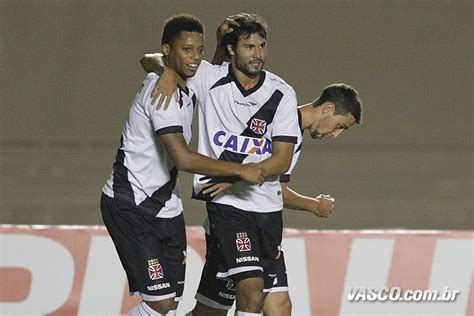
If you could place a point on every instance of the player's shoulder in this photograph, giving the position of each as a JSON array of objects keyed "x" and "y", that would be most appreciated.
[
  {"x": 150, "y": 78},
  {"x": 148, "y": 84},
  {"x": 209, "y": 67},
  {"x": 278, "y": 82}
]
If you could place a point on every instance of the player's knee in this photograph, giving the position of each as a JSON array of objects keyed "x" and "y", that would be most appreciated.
[
  {"x": 163, "y": 306},
  {"x": 277, "y": 304},
  {"x": 249, "y": 295},
  {"x": 282, "y": 308},
  {"x": 287, "y": 306}
]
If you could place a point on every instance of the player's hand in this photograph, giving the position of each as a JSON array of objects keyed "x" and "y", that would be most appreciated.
[
  {"x": 214, "y": 189},
  {"x": 225, "y": 28},
  {"x": 252, "y": 173},
  {"x": 324, "y": 205},
  {"x": 164, "y": 89}
]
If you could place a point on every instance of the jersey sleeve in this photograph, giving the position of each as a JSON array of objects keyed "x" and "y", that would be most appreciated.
[
  {"x": 169, "y": 121},
  {"x": 296, "y": 155},
  {"x": 164, "y": 122},
  {"x": 285, "y": 128}
]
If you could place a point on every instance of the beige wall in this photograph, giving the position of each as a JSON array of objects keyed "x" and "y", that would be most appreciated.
[{"x": 69, "y": 70}]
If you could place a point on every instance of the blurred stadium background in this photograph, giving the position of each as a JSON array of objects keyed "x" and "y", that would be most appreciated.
[{"x": 69, "y": 70}]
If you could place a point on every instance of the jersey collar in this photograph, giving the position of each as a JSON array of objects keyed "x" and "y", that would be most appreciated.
[{"x": 248, "y": 92}]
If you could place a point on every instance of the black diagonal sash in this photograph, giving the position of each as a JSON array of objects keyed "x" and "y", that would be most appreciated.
[{"x": 265, "y": 113}]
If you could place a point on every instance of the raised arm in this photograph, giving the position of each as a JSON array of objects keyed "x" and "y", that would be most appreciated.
[
  {"x": 190, "y": 161},
  {"x": 220, "y": 54}
]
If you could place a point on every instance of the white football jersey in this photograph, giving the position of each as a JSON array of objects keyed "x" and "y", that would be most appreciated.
[
  {"x": 143, "y": 172},
  {"x": 239, "y": 125},
  {"x": 296, "y": 154}
]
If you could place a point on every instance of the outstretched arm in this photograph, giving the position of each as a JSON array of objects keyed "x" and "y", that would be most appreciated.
[
  {"x": 321, "y": 206},
  {"x": 190, "y": 161}
]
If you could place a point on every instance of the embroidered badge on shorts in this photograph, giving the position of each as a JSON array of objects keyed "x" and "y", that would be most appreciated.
[
  {"x": 155, "y": 271},
  {"x": 243, "y": 242}
]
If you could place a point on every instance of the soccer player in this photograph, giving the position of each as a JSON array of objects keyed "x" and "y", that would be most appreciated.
[
  {"x": 246, "y": 114},
  {"x": 140, "y": 204},
  {"x": 334, "y": 111}
]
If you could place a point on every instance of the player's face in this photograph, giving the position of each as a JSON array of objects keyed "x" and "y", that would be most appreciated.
[
  {"x": 250, "y": 54},
  {"x": 331, "y": 126},
  {"x": 186, "y": 53}
]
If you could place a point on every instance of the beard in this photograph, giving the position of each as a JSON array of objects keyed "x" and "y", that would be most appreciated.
[{"x": 251, "y": 72}]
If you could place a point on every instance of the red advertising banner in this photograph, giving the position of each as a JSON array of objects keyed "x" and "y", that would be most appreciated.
[{"x": 74, "y": 270}]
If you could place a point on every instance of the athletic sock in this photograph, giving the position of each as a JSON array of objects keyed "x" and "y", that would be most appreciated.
[
  {"x": 142, "y": 309},
  {"x": 239, "y": 313}
]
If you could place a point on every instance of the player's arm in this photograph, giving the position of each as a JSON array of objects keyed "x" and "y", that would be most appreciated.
[
  {"x": 280, "y": 161},
  {"x": 220, "y": 54},
  {"x": 153, "y": 62},
  {"x": 190, "y": 161},
  {"x": 166, "y": 85},
  {"x": 321, "y": 206}
]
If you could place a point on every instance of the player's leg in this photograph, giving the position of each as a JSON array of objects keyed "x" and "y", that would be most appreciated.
[
  {"x": 137, "y": 239},
  {"x": 238, "y": 238},
  {"x": 171, "y": 243},
  {"x": 278, "y": 302},
  {"x": 249, "y": 295},
  {"x": 174, "y": 248},
  {"x": 214, "y": 296}
]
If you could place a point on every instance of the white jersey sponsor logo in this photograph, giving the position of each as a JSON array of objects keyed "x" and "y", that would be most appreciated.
[{"x": 242, "y": 144}]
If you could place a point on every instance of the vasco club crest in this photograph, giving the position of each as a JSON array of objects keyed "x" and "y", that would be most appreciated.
[
  {"x": 155, "y": 271},
  {"x": 243, "y": 242},
  {"x": 258, "y": 126}
]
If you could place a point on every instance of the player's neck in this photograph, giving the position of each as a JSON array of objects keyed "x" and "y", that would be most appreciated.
[
  {"x": 308, "y": 112},
  {"x": 180, "y": 81},
  {"x": 244, "y": 80}
]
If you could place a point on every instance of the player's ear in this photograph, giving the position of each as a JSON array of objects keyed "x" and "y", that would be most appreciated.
[
  {"x": 165, "y": 49},
  {"x": 328, "y": 107},
  {"x": 230, "y": 50}
]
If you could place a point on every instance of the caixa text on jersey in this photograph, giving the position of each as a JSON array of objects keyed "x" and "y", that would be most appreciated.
[{"x": 242, "y": 144}]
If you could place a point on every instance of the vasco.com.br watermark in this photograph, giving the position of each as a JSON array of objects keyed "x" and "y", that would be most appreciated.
[{"x": 396, "y": 294}]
